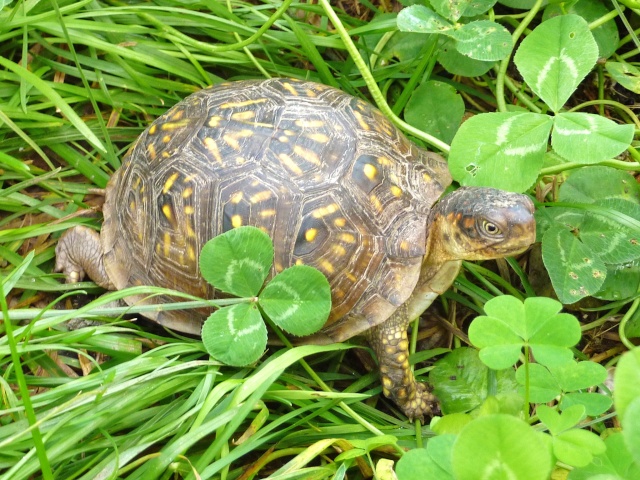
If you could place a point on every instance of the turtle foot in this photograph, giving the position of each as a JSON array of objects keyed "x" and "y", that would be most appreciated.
[
  {"x": 420, "y": 403},
  {"x": 79, "y": 254}
]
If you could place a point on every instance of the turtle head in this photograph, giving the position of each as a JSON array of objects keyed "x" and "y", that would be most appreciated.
[{"x": 476, "y": 223}]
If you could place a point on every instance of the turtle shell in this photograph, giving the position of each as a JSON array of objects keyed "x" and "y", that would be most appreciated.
[{"x": 326, "y": 175}]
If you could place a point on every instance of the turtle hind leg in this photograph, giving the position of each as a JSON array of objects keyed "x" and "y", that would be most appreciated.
[
  {"x": 79, "y": 253},
  {"x": 391, "y": 344}
]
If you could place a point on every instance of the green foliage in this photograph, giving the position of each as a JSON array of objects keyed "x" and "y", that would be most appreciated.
[
  {"x": 482, "y": 40},
  {"x": 625, "y": 74},
  {"x": 298, "y": 299},
  {"x": 436, "y": 108},
  {"x": 511, "y": 325},
  {"x": 556, "y": 57},
  {"x": 462, "y": 382},
  {"x": 569, "y": 382},
  {"x": 503, "y": 149},
  {"x": 574, "y": 447},
  {"x": 595, "y": 237},
  {"x": 615, "y": 463},
  {"x": 506, "y": 150},
  {"x": 82, "y": 77},
  {"x": 500, "y": 446},
  {"x": 491, "y": 439},
  {"x": 434, "y": 461}
]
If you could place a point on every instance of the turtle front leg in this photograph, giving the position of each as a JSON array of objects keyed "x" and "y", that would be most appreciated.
[
  {"x": 391, "y": 344},
  {"x": 79, "y": 253}
]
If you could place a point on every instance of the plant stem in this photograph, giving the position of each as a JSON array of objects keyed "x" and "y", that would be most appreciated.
[
  {"x": 502, "y": 71},
  {"x": 367, "y": 76}
]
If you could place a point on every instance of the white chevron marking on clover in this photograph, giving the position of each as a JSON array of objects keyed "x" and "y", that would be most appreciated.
[
  {"x": 524, "y": 150},
  {"x": 231, "y": 318},
  {"x": 235, "y": 265},
  {"x": 502, "y": 133},
  {"x": 593, "y": 128},
  {"x": 295, "y": 301},
  {"x": 564, "y": 59}
]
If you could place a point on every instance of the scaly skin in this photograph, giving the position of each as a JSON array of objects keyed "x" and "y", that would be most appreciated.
[
  {"x": 79, "y": 253},
  {"x": 469, "y": 224}
]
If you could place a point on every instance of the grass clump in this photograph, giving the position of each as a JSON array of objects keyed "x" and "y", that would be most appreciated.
[{"x": 80, "y": 80}]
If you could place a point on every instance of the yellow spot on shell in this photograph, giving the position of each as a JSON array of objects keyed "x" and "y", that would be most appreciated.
[
  {"x": 178, "y": 115},
  {"x": 405, "y": 246},
  {"x": 236, "y": 221},
  {"x": 212, "y": 146},
  {"x": 361, "y": 122},
  {"x": 339, "y": 250},
  {"x": 246, "y": 115},
  {"x": 283, "y": 139},
  {"x": 246, "y": 103},
  {"x": 299, "y": 261},
  {"x": 384, "y": 161},
  {"x": 153, "y": 129},
  {"x": 236, "y": 198},
  {"x": 396, "y": 191},
  {"x": 260, "y": 196},
  {"x": 191, "y": 253},
  {"x": 151, "y": 150},
  {"x": 309, "y": 123},
  {"x": 318, "y": 137},
  {"x": 327, "y": 266},
  {"x": 310, "y": 93},
  {"x": 375, "y": 202},
  {"x": 290, "y": 164},
  {"x": 214, "y": 121},
  {"x": 167, "y": 244},
  {"x": 267, "y": 213},
  {"x": 232, "y": 141},
  {"x": 324, "y": 211},
  {"x": 426, "y": 177},
  {"x": 308, "y": 155},
  {"x": 132, "y": 206},
  {"x": 311, "y": 234},
  {"x": 167, "y": 212},
  {"x": 170, "y": 126},
  {"x": 189, "y": 210},
  {"x": 348, "y": 237},
  {"x": 289, "y": 88},
  {"x": 351, "y": 277},
  {"x": 370, "y": 171},
  {"x": 340, "y": 222},
  {"x": 166, "y": 138},
  {"x": 187, "y": 192},
  {"x": 190, "y": 232},
  {"x": 169, "y": 183}
]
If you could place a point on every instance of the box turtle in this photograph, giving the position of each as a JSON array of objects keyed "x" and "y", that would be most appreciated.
[{"x": 333, "y": 183}]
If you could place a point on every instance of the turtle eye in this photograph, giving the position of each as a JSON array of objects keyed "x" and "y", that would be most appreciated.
[{"x": 491, "y": 228}]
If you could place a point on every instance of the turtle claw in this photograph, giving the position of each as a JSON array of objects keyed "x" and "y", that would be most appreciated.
[
  {"x": 73, "y": 271},
  {"x": 420, "y": 404},
  {"x": 79, "y": 254}
]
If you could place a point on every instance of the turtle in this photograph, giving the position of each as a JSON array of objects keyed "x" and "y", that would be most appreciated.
[{"x": 336, "y": 186}]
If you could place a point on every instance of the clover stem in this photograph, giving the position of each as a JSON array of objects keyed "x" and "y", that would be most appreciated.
[
  {"x": 623, "y": 323},
  {"x": 526, "y": 383},
  {"x": 504, "y": 64}
]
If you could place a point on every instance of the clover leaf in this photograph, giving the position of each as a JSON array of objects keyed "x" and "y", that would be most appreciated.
[
  {"x": 238, "y": 262},
  {"x": 511, "y": 325}
]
